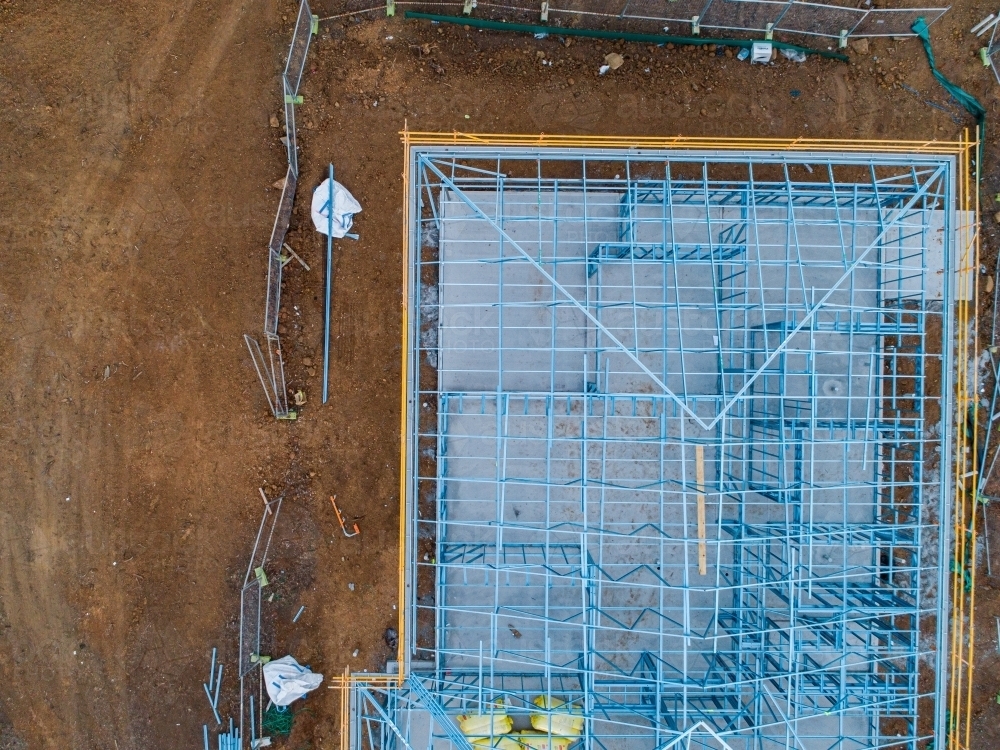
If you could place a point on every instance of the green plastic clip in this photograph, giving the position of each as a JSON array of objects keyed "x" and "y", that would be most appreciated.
[
  {"x": 314, "y": 25},
  {"x": 467, "y": 8},
  {"x": 984, "y": 55},
  {"x": 390, "y": 7},
  {"x": 289, "y": 99},
  {"x": 291, "y": 417},
  {"x": 261, "y": 576},
  {"x": 843, "y": 39}
]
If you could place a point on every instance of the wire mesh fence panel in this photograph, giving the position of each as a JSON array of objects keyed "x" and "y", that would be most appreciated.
[
  {"x": 284, "y": 214},
  {"x": 650, "y": 14},
  {"x": 291, "y": 142},
  {"x": 895, "y": 21},
  {"x": 745, "y": 15},
  {"x": 249, "y": 626},
  {"x": 273, "y": 302},
  {"x": 271, "y": 369},
  {"x": 300, "y": 47},
  {"x": 790, "y": 16},
  {"x": 363, "y": 6},
  {"x": 275, "y": 262},
  {"x": 818, "y": 20},
  {"x": 994, "y": 52}
]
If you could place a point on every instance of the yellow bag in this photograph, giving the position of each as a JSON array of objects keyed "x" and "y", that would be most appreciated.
[
  {"x": 540, "y": 741},
  {"x": 563, "y": 723},
  {"x": 502, "y": 742},
  {"x": 485, "y": 725}
]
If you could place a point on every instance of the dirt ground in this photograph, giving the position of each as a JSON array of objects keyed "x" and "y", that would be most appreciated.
[{"x": 136, "y": 172}]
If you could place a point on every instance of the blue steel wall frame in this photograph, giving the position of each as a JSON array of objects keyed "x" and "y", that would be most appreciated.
[{"x": 821, "y": 546}]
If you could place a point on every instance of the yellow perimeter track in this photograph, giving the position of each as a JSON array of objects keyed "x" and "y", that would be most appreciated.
[
  {"x": 966, "y": 470},
  {"x": 965, "y": 417}
]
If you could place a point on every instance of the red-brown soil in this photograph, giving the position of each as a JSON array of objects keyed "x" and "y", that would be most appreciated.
[{"x": 136, "y": 164}]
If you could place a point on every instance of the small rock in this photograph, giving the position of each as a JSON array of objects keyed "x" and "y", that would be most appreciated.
[
  {"x": 355, "y": 653},
  {"x": 860, "y": 46},
  {"x": 613, "y": 60},
  {"x": 540, "y": 55},
  {"x": 350, "y": 586},
  {"x": 300, "y": 398},
  {"x": 391, "y": 638},
  {"x": 307, "y": 361},
  {"x": 704, "y": 112},
  {"x": 996, "y": 217},
  {"x": 311, "y": 371},
  {"x": 275, "y": 123},
  {"x": 729, "y": 52},
  {"x": 279, "y": 184},
  {"x": 989, "y": 284},
  {"x": 284, "y": 140},
  {"x": 570, "y": 81}
]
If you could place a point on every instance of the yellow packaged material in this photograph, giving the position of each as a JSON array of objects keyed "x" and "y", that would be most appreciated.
[
  {"x": 541, "y": 741},
  {"x": 503, "y": 742},
  {"x": 560, "y": 722},
  {"x": 485, "y": 725}
]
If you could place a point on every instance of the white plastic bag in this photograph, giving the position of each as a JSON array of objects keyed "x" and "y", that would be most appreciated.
[
  {"x": 344, "y": 208},
  {"x": 286, "y": 680}
]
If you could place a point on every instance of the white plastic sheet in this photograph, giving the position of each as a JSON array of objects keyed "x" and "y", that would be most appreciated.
[
  {"x": 286, "y": 680},
  {"x": 344, "y": 208}
]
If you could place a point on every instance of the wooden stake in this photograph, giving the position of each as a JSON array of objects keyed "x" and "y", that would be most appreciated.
[{"x": 699, "y": 459}]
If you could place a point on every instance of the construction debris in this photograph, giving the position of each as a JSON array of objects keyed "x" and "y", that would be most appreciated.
[
  {"x": 340, "y": 518},
  {"x": 985, "y": 25},
  {"x": 216, "y": 682},
  {"x": 286, "y": 680}
]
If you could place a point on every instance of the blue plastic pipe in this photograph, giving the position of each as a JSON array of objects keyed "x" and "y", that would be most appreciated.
[{"x": 326, "y": 306}]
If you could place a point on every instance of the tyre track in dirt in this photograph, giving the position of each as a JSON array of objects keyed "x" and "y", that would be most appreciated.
[{"x": 73, "y": 609}]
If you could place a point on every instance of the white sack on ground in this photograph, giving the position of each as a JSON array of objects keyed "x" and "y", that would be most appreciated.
[
  {"x": 286, "y": 680},
  {"x": 344, "y": 208}
]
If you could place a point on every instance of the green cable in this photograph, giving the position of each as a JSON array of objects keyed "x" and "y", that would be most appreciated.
[
  {"x": 628, "y": 36},
  {"x": 967, "y": 100}
]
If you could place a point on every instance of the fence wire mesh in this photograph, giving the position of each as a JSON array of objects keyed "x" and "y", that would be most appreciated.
[
  {"x": 270, "y": 369},
  {"x": 833, "y": 21}
]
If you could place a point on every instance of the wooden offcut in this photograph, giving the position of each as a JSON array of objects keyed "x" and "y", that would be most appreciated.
[{"x": 699, "y": 459}]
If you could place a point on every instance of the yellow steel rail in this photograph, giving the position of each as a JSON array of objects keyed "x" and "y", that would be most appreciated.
[
  {"x": 414, "y": 138},
  {"x": 963, "y": 582}
]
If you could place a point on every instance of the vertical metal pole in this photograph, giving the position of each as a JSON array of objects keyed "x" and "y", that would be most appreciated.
[{"x": 326, "y": 301}]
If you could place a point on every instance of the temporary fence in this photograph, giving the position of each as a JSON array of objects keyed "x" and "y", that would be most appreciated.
[
  {"x": 251, "y": 709},
  {"x": 992, "y": 56},
  {"x": 767, "y": 17},
  {"x": 270, "y": 367}
]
